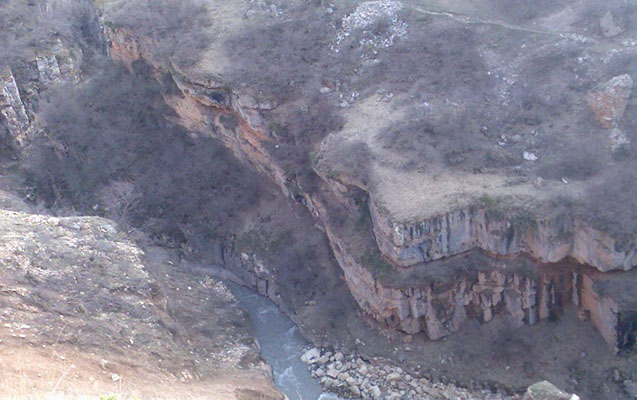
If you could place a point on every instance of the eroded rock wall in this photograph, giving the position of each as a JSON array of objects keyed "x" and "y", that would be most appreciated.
[
  {"x": 21, "y": 84},
  {"x": 12, "y": 110},
  {"x": 545, "y": 239}
]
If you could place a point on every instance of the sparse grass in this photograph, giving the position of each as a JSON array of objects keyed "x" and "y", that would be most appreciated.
[{"x": 492, "y": 206}]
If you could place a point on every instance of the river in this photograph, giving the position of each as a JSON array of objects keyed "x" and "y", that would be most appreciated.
[{"x": 281, "y": 345}]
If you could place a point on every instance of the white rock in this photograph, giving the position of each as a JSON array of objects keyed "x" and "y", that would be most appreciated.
[
  {"x": 324, "y": 359},
  {"x": 394, "y": 376},
  {"x": 609, "y": 27},
  {"x": 311, "y": 356},
  {"x": 528, "y": 156}
]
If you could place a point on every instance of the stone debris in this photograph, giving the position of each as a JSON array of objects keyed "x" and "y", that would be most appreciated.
[
  {"x": 631, "y": 388},
  {"x": 617, "y": 140},
  {"x": 353, "y": 377},
  {"x": 528, "y": 156},
  {"x": 365, "y": 16}
]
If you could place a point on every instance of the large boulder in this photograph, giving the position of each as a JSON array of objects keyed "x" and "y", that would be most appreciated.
[
  {"x": 545, "y": 390},
  {"x": 609, "y": 102}
]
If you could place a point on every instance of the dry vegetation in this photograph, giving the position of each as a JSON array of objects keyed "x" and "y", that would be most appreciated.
[{"x": 112, "y": 129}]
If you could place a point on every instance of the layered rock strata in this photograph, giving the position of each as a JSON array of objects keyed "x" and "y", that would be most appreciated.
[
  {"x": 547, "y": 239},
  {"x": 21, "y": 84},
  {"x": 438, "y": 307}
]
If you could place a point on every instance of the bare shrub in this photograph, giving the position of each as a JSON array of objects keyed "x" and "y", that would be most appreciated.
[
  {"x": 108, "y": 143},
  {"x": 283, "y": 59},
  {"x": 178, "y": 29},
  {"x": 19, "y": 22},
  {"x": 28, "y": 27},
  {"x": 120, "y": 200}
]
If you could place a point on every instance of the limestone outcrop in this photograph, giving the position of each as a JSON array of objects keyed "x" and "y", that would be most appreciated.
[
  {"x": 547, "y": 391},
  {"x": 548, "y": 239},
  {"x": 12, "y": 110},
  {"x": 21, "y": 84},
  {"x": 609, "y": 102}
]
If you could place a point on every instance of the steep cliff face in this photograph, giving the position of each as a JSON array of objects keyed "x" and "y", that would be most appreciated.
[
  {"x": 436, "y": 307},
  {"x": 21, "y": 84},
  {"x": 14, "y": 114},
  {"x": 430, "y": 260},
  {"x": 548, "y": 239}
]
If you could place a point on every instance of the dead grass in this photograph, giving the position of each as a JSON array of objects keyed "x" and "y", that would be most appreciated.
[{"x": 63, "y": 372}]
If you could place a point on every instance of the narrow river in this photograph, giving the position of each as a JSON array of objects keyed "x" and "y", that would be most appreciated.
[{"x": 281, "y": 345}]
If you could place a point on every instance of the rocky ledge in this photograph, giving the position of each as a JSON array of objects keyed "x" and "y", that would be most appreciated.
[
  {"x": 546, "y": 239},
  {"x": 86, "y": 311}
]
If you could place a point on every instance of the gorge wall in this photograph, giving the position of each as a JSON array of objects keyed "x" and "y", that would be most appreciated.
[{"x": 429, "y": 275}]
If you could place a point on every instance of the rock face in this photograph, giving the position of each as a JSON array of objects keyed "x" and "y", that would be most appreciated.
[
  {"x": 21, "y": 84},
  {"x": 14, "y": 115},
  {"x": 609, "y": 102},
  {"x": 609, "y": 26},
  {"x": 547, "y": 240},
  {"x": 439, "y": 297}
]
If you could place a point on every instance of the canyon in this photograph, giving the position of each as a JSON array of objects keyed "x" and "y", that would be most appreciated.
[
  {"x": 501, "y": 219},
  {"x": 485, "y": 225}
]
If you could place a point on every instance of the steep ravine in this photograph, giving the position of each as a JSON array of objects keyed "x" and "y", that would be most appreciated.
[
  {"x": 481, "y": 288},
  {"x": 414, "y": 248}
]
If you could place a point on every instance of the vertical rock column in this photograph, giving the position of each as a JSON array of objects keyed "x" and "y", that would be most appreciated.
[{"x": 13, "y": 114}]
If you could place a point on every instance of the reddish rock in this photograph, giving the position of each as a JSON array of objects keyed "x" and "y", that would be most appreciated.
[{"x": 609, "y": 103}]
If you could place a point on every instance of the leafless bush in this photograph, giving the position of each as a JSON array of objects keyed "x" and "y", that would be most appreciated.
[
  {"x": 178, "y": 29},
  {"x": 28, "y": 27},
  {"x": 120, "y": 200},
  {"x": 108, "y": 142},
  {"x": 18, "y": 21},
  {"x": 282, "y": 59}
]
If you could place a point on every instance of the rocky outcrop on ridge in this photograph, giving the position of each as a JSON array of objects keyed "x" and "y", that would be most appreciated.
[{"x": 86, "y": 311}]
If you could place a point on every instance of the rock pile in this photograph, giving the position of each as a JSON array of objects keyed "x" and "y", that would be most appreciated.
[{"x": 353, "y": 377}]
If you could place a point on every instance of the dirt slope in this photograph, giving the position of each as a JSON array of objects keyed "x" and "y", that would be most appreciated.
[{"x": 85, "y": 312}]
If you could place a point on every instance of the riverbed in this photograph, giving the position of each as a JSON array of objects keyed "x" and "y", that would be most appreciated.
[{"x": 281, "y": 345}]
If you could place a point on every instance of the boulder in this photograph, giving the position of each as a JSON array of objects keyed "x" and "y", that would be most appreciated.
[
  {"x": 609, "y": 102},
  {"x": 631, "y": 388},
  {"x": 609, "y": 26},
  {"x": 311, "y": 356},
  {"x": 547, "y": 391}
]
